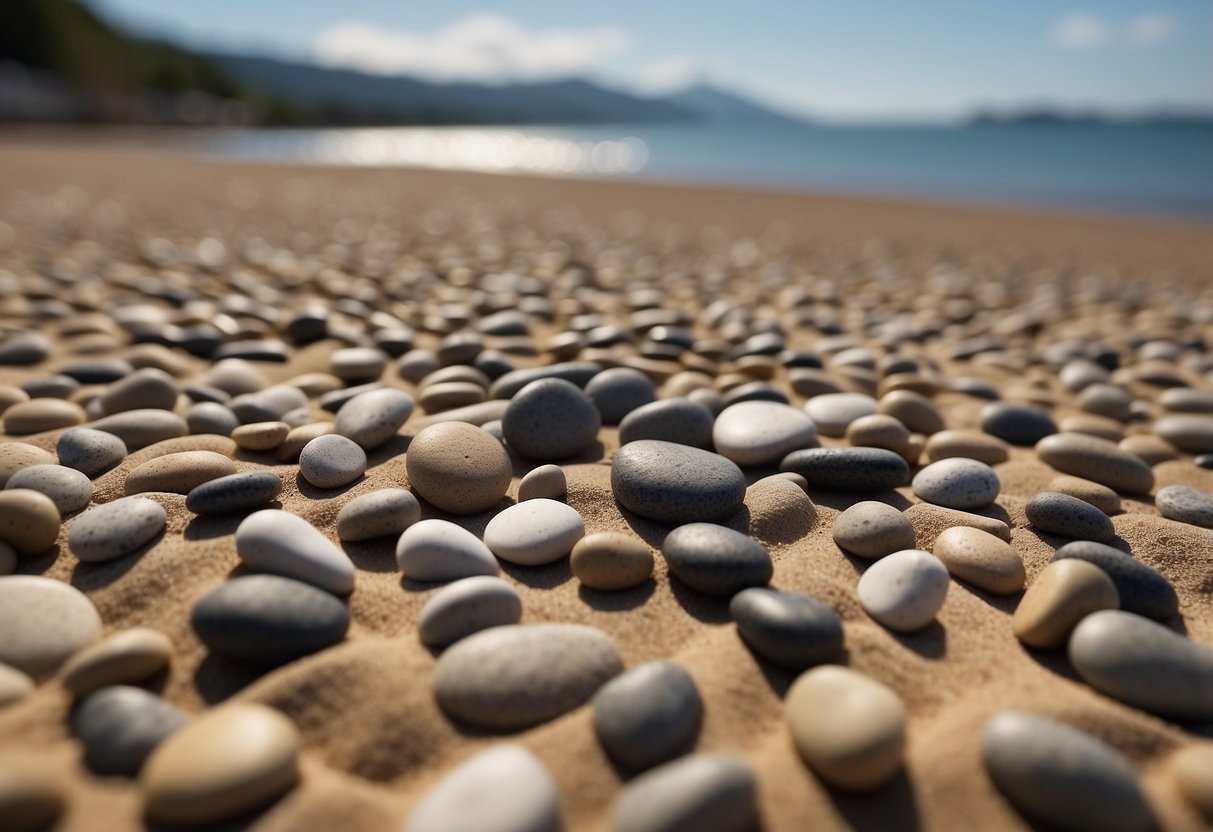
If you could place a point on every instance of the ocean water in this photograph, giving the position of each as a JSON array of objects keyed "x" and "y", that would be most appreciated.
[{"x": 1160, "y": 172}]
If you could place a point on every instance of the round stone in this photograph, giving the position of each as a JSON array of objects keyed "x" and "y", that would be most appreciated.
[
  {"x": 618, "y": 391},
  {"x": 1066, "y": 592},
  {"x": 849, "y": 469},
  {"x": 1098, "y": 460},
  {"x": 1148, "y": 448},
  {"x": 986, "y": 561},
  {"x": 437, "y": 550},
  {"x": 879, "y": 431},
  {"x": 458, "y": 467},
  {"x": 611, "y": 561},
  {"x": 1100, "y": 496},
  {"x": 14, "y": 685},
  {"x": 139, "y": 428},
  {"x": 1142, "y": 590},
  {"x": 675, "y": 483},
  {"x": 957, "y": 483},
  {"x": 260, "y": 436},
  {"x": 282, "y": 543},
  {"x": 120, "y": 726},
  {"x": 1062, "y": 514},
  {"x": 1016, "y": 424},
  {"x": 331, "y": 461},
  {"x": 1063, "y": 777},
  {"x": 790, "y": 629},
  {"x": 149, "y": 388},
  {"x": 648, "y": 715},
  {"x": 68, "y": 489},
  {"x": 546, "y": 481},
  {"x": 178, "y": 473},
  {"x": 682, "y": 421},
  {"x": 968, "y": 444},
  {"x": 224, "y": 763},
  {"x": 503, "y": 789},
  {"x": 871, "y": 530},
  {"x": 467, "y": 606},
  {"x": 762, "y": 433},
  {"x": 235, "y": 492},
  {"x": 1175, "y": 502},
  {"x": 550, "y": 419},
  {"x": 388, "y": 511},
  {"x": 514, "y": 677},
  {"x": 213, "y": 418},
  {"x": 268, "y": 620},
  {"x": 29, "y": 521},
  {"x": 1190, "y": 432},
  {"x": 707, "y": 792},
  {"x": 126, "y": 656},
  {"x": 357, "y": 363},
  {"x": 904, "y": 590},
  {"x": 43, "y": 622},
  {"x": 371, "y": 419},
  {"x": 850, "y": 729},
  {"x": 1192, "y": 769},
  {"x": 913, "y": 410},
  {"x": 91, "y": 452},
  {"x": 17, "y": 455},
  {"x": 716, "y": 560},
  {"x": 39, "y": 415},
  {"x": 30, "y": 796},
  {"x": 116, "y": 529},
  {"x": 535, "y": 532}
]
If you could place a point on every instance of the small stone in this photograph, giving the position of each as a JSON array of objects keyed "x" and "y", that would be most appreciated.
[
  {"x": 24, "y": 349},
  {"x": 969, "y": 444},
  {"x": 834, "y": 412},
  {"x": 17, "y": 455},
  {"x": 139, "y": 428},
  {"x": 879, "y": 431},
  {"x": 373, "y": 418},
  {"x": 871, "y": 530},
  {"x": 1142, "y": 590},
  {"x": 618, "y": 391},
  {"x": 535, "y": 532},
  {"x": 913, "y": 410},
  {"x": 980, "y": 558},
  {"x": 260, "y": 436},
  {"x": 904, "y": 590},
  {"x": 91, "y": 452},
  {"x": 1062, "y": 514},
  {"x": 1016, "y": 424},
  {"x": 357, "y": 363},
  {"x": 268, "y": 405},
  {"x": 1190, "y": 432},
  {"x": 40, "y": 415},
  {"x": 458, "y": 468},
  {"x": 670, "y": 420},
  {"x": 1175, "y": 502},
  {"x": 116, "y": 529},
  {"x": 224, "y": 763},
  {"x": 235, "y": 492},
  {"x": 1100, "y": 496},
  {"x": 578, "y": 373},
  {"x": 611, "y": 561},
  {"x": 31, "y": 799},
  {"x": 503, "y": 789},
  {"x": 331, "y": 461},
  {"x": 467, "y": 606},
  {"x": 298, "y": 438},
  {"x": 549, "y": 420},
  {"x": 716, "y": 560},
  {"x": 146, "y": 388},
  {"x": 849, "y": 469},
  {"x": 544, "y": 482},
  {"x": 850, "y": 729},
  {"x": 29, "y": 521},
  {"x": 761, "y": 432},
  {"x": 449, "y": 395},
  {"x": 43, "y": 622},
  {"x": 1066, "y": 592},
  {"x": 675, "y": 483},
  {"x": 125, "y": 657},
  {"x": 1098, "y": 460},
  {"x": 957, "y": 483},
  {"x": 1192, "y": 770},
  {"x": 648, "y": 715},
  {"x": 704, "y": 792},
  {"x": 120, "y": 726},
  {"x": 437, "y": 550},
  {"x": 14, "y": 685},
  {"x": 791, "y": 630},
  {"x": 1148, "y": 448},
  {"x": 178, "y": 473},
  {"x": 68, "y": 489},
  {"x": 388, "y": 511},
  {"x": 282, "y": 543},
  {"x": 211, "y": 418}
]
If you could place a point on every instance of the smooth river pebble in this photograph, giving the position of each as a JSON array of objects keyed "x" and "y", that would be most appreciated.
[
  {"x": 611, "y": 561},
  {"x": 116, "y": 529},
  {"x": 178, "y": 473},
  {"x": 458, "y": 467},
  {"x": 91, "y": 452},
  {"x": 550, "y": 419},
  {"x": 29, "y": 521},
  {"x": 1098, "y": 460},
  {"x": 534, "y": 532},
  {"x": 467, "y": 606},
  {"x": 703, "y": 792},
  {"x": 120, "y": 726},
  {"x": 1142, "y": 590},
  {"x": 69, "y": 489},
  {"x": 1065, "y": 593},
  {"x": 331, "y": 461},
  {"x": 849, "y": 469},
  {"x": 980, "y": 558},
  {"x": 716, "y": 560},
  {"x": 503, "y": 789},
  {"x": 235, "y": 492},
  {"x": 438, "y": 550},
  {"x": 282, "y": 543},
  {"x": 904, "y": 590},
  {"x": 1175, "y": 502},
  {"x": 790, "y": 629},
  {"x": 871, "y": 530},
  {"x": 958, "y": 483},
  {"x": 675, "y": 483},
  {"x": 388, "y": 511},
  {"x": 648, "y": 715},
  {"x": 127, "y": 656},
  {"x": 1062, "y": 514},
  {"x": 762, "y": 433},
  {"x": 43, "y": 622}
]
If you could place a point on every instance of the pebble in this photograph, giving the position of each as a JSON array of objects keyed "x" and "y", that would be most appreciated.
[
  {"x": 682, "y": 421},
  {"x": 618, "y": 391},
  {"x": 226, "y": 762},
  {"x": 126, "y": 656},
  {"x": 1175, "y": 502},
  {"x": 879, "y": 431},
  {"x": 1066, "y": 592},
  {"x": 611, "y": 561},
  {"x": 790, "y": 629},
  {"x": 675, "y": 483},
  {"x": 357, "y": 363},
  {"x": 438, "y": 550},
  {"x": 120, "y": 726},
  {"x": 1143, "y": 664},
  {"x": 115, "y": 529},
  {"x": 535, "y": 532},
  {"x": 871, "y": 530},
  {"x": 458, "y": 468},
  {"x": 298, "y": 438},
  {"x": 24, "y": 349},
  {"x": 14, "y": 685},
  {"x": 755, "y": 433},
  {"x": 1016, "y": 424},
  {"x": 503, "y": 789},
  {"x": 832, "y": 413},
  {"x": 849, "y": 728},
  {"x": 268, "y": 405},
  {"x": 1192, "y": 770},
  {"x": 67, "y": 488},
  {"x": 1099, "y": 460},
  {"x": 957, "y": 483},
  {"x": 371, "y": 419},
  {"x": 849, "y": 469},
  {"x": 703, "y": 792},
  {"x": 31, "y": 799},
  {"x": 41, "y": 415},
  {"x": 550, "y": 419},
  {"x": 29, "y": 520},
  {"x": 260, "y": 436},
  {"x": 1100, "y": 496},
  {"x": 467, "y": 606},
  {"x": 235, "y": 492},
  {"x": 139, "y": 428},
  {"x": 648, "y": 715},
  {"x": 449, "y": 395},
  {"x": 716, "y": 560},
  {"x": 1063, "y": 777},
  {"x": 146, "y": 388},
  {"x": 282, "y": 543},
  {"x": 578, "y": 373},
  {"x": 1062, "y": 514},
  {"x": 10, "y": 396},
  {"x": 388, "y": 511},
  {"x": 1148, "y": 448},
  {"x": 1091, "y": 425},
  {"x": 178, "y": 473},
  {"x": 969, "y": 444},
  {"x": 514, "y": 677},
  {"x": 986, "y": 561},
  {"x": 268, "y": 620},
  {"x": 43, "y": 622},
  {"x": 1142, "y": 590},
  {"x": 212, "y": 418},
  {"x": 913, "y": 410},
  {"x": 91, "y": 452},
  {"x": 546, "y": 481},
  {"x": 1190, "y": 432},
  {"x": 17, "y": 455},
  {"x": 331, "y": 461},
  {"x": 904, "y": 590}
]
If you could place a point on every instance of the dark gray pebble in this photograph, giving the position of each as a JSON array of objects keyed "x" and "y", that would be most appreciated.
[
  {"x": 851, "y": 469},
  {"x": 235, "y": 492},
  {"x": 1016, "y": 424},
  {"x": 1062, "y": 514},
  {"x": 550, "y": 419},
  {"x": 120, "y": 726},
  {"x": 648, "y": 715},
  {"x": 790, "y": 629},
  {"x": 618, "y": 391},
  {"x": 670, "y": 420},
  {"x": 716, "y": 560},
  {"x": 675, "y": 483},
  {"x": 576, "y": 372},
  {"x": 1142, "y": 589}
]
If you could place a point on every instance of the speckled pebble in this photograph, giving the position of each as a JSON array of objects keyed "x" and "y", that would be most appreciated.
[
  {"x": 849, "y": 469},
  {"x": 682, "y": 421},
  {"x": 1062, "y": 514},
  {"x": 871, "y": 530},
  {"x": 1190, "y": 432},
  {"x": 534, "y": 532},
  {"x": 467, "y": 606},
  {"x": 1098, "y": 460},
  {"x": 904, "y": 590},
  {"x": 120, "y": 726},
  {"x": 91, "y": 452},
  {"x": 115, "y": 529},
  {"x": 1177, "y": 502},
  {"x": 550, "y": 420},
  {"x": 1142, "y": 589},
  {"x": 957, "y": 483},
  {"x": 43, "y": 622},
  {"x": 69, "y": 489},
  {"x": 704, "y": 792},
  {"x": 458, "y": 467},
  {"x": 331, "y": 461},
  {"x": 282, "y": 543},
  {"x": 388, "y": 511},
  {"x": 438, "y": 550},
  {"x": 675, "y": 483},
  {"x": 618, "y": 391},
  {"x": 790, "y": 629},
  {"x": 980, "y": 558},
  {"x": 235, "y": 492},
  {"x": 503, "y": 789},
  {"x": 611, "y": 561},
  {"x": 371, "y": 419},
  {"x": 1100, "y": 496},
  {"x": 648, "y": 715}
]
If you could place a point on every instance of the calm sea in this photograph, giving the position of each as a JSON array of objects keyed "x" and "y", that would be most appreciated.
[{"x": 1162, "y": 172}]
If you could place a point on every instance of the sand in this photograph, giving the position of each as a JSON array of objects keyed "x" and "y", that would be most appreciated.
[{"x": 374, "y": 739}]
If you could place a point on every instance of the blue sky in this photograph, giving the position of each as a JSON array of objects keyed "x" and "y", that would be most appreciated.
[{"x": 855, "y": 60}]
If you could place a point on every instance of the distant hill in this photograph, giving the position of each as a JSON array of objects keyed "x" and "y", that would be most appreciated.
[
  {"x": 1047, "y": 117},
  {"x": 710, "y": 104}
]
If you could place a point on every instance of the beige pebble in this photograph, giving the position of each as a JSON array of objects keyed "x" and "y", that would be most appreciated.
[
  {"x": 126, "y": 657},
  {"x": 41, "y": 415},
  {"x": 913, "y": 410},
  {"x": 458, "y": 467},
  {"x": 611, "y": 561},
  {"x": 1100, "y": 496},
  {"x": 1192, "y": 768},
  {"x": 29, "y": 521},
  {"x": 879, "y": 430},
  {"x": 449, "y": 395},
  {"x": 974, "y": 444},
  {"x": 1066, "y": 592},
  {"x": 43, "y": 622},
  {"x": 298, "y": 437},
  {"x": 178, "y": 473},
  {"x": 546, "y": 481},
  {"x": 1150, "y": 448},
  {"x": 315, "y": 385},
  {"x": 981, "y": 559},
  {"x": 1091, "y": 425},
  {"x": 30, "y": 798},
  {"x": 261, "y": 436},
  {"x": 14, "y": 685},
  {"x": 10, "y": 396},
  {"x": 17, "y": 455},
  {"x": 871, "y": 529}
]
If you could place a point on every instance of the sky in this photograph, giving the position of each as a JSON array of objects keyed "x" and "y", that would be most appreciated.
[{"x": 860, "y": 60}]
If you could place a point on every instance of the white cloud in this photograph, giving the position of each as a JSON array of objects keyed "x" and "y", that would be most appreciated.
[
  {"x": 678, "y": 72},
  {"x": 1151, "y": 28},
  {"x": 479, "y": 47},
  {"x": 1080, "y": 30}
]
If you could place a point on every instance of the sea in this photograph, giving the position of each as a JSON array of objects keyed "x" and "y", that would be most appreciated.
[{"x": 1160, "y": 172}]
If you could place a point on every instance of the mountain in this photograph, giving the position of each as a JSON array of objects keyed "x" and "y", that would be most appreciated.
[
  {"x": 714, "y": 105},
  {"x": 1050, "y": 117}
]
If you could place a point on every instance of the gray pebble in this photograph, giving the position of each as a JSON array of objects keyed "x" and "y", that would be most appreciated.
[
  {"x": 675, "y": 483},
  {"x": 1142, "y": 590},
  {"x": 1098, "y": 460},
  {"x": 871, "y": 530},
  {"x": 1191, "y": 432},
  {"x": 334, "y": 400},
  {"x": 331, "y": 461},
  {"x": 1062, "y": 514},
  {"x": 235, "y": 492},
  {"x": 211, "y": 417},
  {"x": 716, "y": 560},
  {"x": 120, "y": 726},
  {"x": 833, "y": 412},
  {"x": 145, "y": 388},
  {"x": 1016, "y": 424},
  {"x": 467, "y": 606},
  {"x": 1175, "y": 502},
  {"x": 268, "y": 405},
  {"x": 25, "y": 348},
  {"x": 51, "y": 387},
  {"x": 91, "y": 452},
  {"x": 545, "y": 482},
  {"x": 358, "y": 363},
  {"x": 139, "y": 428},
  {"x": 388, "y": 511},
  {"x": 850, "y": 469},
  {"x": 371, "y": 419},
  {"x": 503, "y": 789},
  {"x": 576, "y": 372},
  {"x": 957, "y": 483},
  {"x": 618, "y": 391},
  {"x": 550, "y": 419},
  {"x": 70, "y": 490},
  {"x": 115, "y": 529},
  {"x": 669, "y": 420},
  {"x": 792, "y": 630},
  {"x": 649, "y": 715},
  {"x": 703, "y": 792}
]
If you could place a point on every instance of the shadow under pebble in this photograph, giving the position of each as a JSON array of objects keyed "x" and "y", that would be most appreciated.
[
  {"x": 617, "y": 600},
  {"x": 931, "y": 642},
  {"x": 843, "y": 500},
  {"x": 218, "y": 678},
  {"x": 870, "y": 811},
  {"x": 90, "y": 576}
]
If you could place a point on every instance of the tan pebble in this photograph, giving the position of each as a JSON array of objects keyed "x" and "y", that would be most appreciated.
[
  {"x": 29, "y": 521},
  {"x": 879, "y": 430},
  {"x": 388, "y": 511},
  {"x": 30, "y": 799},
  {"x": 907, "y": 381},
  {"x": 930, "y": 521},
  {"x": 611, "y": 561},
  {"x": 455, "y": 373},
  {"x": 973, "y": 444},
  {"x": 43, "y": 622},
  {"x": 1066, "y": 592},
  {"x": 293, "y": 445},
  {"x": 10, "y": 396},
  {"x": 17, "y": 455},
  {"x": 458, "y": 467},
  {"x": 1192, "y": 768},
  {"x": 1100, "y": 496},
  {"x": 547, "y": 481},
  {"x": 126, "y": 657},
  {"x": 761, "y": 367},
  {"x": 791, "y": 476},
  {"x": 315, "y": 385},
  {"x": 981, "y": 559},
  {"x": 1091, "y": 425},
  {"x": 41, "y": 415},
  {"x": 261, "y": 436},
  {"x": 448, "y": 395},
  {"x": 1152, "y": 449},
  {"x": 850, "y": 729},
  {"x": 918, "y": 442},
  {"x": 14, "y": 685},
  {"x": 178, "y": 473},
  {"x": 227, "y": 761},
  {"x": 913, "y": 410}
]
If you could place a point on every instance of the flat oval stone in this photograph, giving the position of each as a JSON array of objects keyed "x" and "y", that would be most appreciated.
[
  {"x": 716, "y": 560},
  {"x": 762, "y": 433},
  {"x": 41, "y": 415},
  {"x": 372, "y": 418},
  {"x": 1142, "y": 590},
  {"x": 833, "y": 412},
  {"x": 1061, "y": 776},
  {"x": 704, "y": 792},
  {"x": 268, "y": 620},
  {"x": 850, "y": 729},
  {"x": 1192, "y": 770},
  {"x": 17, "y": 455},
  {"x": 682, "y": 421},
  {"x": 577, "y": 372},
  {"x": 981, "y": 559},
  {"x": 115, "y": 529},
  {"x": 912, "y": 409},
  {"x": 388, "y": 511},
  {"x": 1062, "y": 514},
  {"x": 91, "y": 452},
  {"x": 1175, "y": 502},
  {"x": 503, "y": 789},
  {"x": 1148, "y": 448},
  {"x": 534, "y": 532},
  {"x": 458, "y": 467},
  {"x": 904, "y": 590},
  {"x": 546, "y": 481},
  {"x": 29, "y": 521},
  {"x": 550, "y": 419},
  {"x": 124, "y": 657},
  {"x": 1191, "y": 432},
  {"x": 879, "y": 431},
  {"x": 618, "y": 391},
  {"x": 212, "y": 418},
  {"x": 1144, "y": 664},
  {"x": 648, "y": 715},
  {"x": 139, "y": 428},
  {"x": 31, "y": 799},
  {"x": 282, "y": 543},
  {"x": 1098, "y": 460},
  {"x": 298, "y": 438},
  {"x": 957, "y": 483},
  {"x": 443, "y": 396},
  {"x": 790, "y": 629},
  {"x": 467, "y": 606},
  {"x": 260, "y": 436},
  {"x": 675, "y": 483},
  {"x": 331, "y": 461},
  {"x": 68, "y": 489},
  {"x": 438, "y": 550},
  {"x": 969, "y": 444},
  {"x": 235, "y": 492},
  {"x": 1065, "y": 593},
  {"x": 145, "y": 388},
  {"x": 871, "y": 530},
  {"x": 14, "y": 685},
  {"x": 120, "y": 726},
  {"x": 357, "y": 363},
  {"x": 611, "y": 561},
  {"x": 178, "y": 473},
  {"x": 850, "y": 469},
  {"x": 43, "y": 622},
  {"x": 1100, "y": 496},
  {"x": 513, "y": 677},
  {"x": 226, "y": 762},
  {"x": 268, "y": 405},
  {"x": 1016, "y": 424},
  {"x": 25, "y": 348}
]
